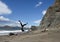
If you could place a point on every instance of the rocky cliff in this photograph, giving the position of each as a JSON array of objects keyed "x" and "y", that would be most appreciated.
[{"x": 52, "y": 17}]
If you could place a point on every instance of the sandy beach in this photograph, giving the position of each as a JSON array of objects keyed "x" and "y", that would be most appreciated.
[{"x": 33, "y": 37}]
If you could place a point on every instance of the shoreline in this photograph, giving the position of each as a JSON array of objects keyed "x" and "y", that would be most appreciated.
[{"x": 6, "y": 32}]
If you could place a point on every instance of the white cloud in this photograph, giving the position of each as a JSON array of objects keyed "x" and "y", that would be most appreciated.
[
  {"x": 13, "y": 24},
  {"x": 4, "y": 8},
  {"x": 37, "y": 21},
  {"x": 10, "y": 22},
  {"x": 39, "y": 3},
  {"x": 28, "y": 26},
  {"x": 44, "y": 12},
  {"x": 4, "y": 19}
]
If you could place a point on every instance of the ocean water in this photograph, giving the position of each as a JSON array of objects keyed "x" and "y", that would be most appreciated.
[
  {"x": 6, "y": 31},
  {"x": 14, "y": 28}
]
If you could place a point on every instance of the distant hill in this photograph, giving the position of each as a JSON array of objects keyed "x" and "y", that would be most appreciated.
[{"x": 11, "y": 28}]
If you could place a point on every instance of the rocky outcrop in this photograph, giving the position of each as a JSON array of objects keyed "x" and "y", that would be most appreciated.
[
  {"x": 52, "y": 17},
  {"x": 33, "y": 28}
]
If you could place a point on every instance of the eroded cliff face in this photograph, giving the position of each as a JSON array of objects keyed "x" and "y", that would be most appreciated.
[{"x": 52, "y": 17}]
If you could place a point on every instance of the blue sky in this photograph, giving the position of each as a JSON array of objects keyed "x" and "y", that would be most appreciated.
[{"x": 30, "y": 11}]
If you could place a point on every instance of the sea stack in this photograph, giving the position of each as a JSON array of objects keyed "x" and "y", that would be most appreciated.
[{"x": 52, "y": 17}]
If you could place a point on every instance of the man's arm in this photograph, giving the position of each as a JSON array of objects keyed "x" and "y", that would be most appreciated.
[
  {"x": 20, "y": 22},
  {"x": 25, "y": 24}
]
